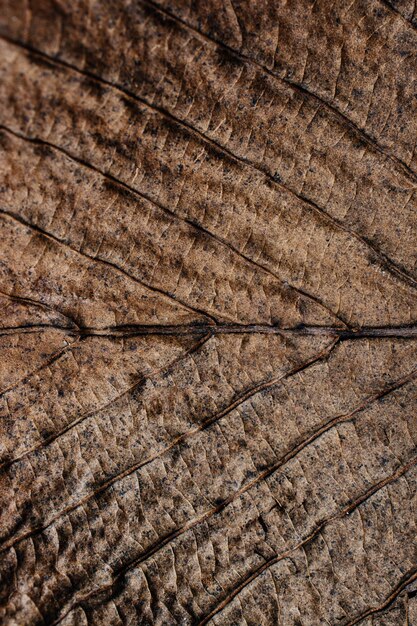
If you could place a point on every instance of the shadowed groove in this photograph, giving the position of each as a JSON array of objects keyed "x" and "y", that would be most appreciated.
[
  {"x": 172, "y": 536},
  {"x": 191, "y": 223},
  {"x": 391, "y": 265},
  {"x": 407, "y": 22},
  {"x": 337, "y": 113},
  {"x": 40, "y": 305},
  {"x": 45, "y": 442},
  {"x": 181, "y": 330},
  {"x": 215, "y": 510},
  {"x": 46, "y": 235},
  {"x": 272, "y": 561},
  {"x": 265, "y": 384},
  {"x": 410, "y": 578},
  {"x": 52, "y": 359}
]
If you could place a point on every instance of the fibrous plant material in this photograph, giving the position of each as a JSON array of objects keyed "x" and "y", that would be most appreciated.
[{"x": 208, "y": 312}]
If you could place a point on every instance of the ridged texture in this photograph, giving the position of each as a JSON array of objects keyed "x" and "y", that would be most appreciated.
[{"x": 208, "y": 313}]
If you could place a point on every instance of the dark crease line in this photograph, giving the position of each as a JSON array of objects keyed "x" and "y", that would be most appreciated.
[
  {"x": 194, "y": 225},
  {"x": 368, "y": 334},
  {"x": 45, "y": 442},
  {"x": 30, "y": 329},
  {"x": 175, "y": 534},
  {"x": 273, "y": 560},
  {"x": 407, "y": 22},
  {"x": 411, "y": 577},
  {"x": 179, "y": 330},
  {"x": 54, "y": 357},
  {"x": 47, "y": 235},
  {"x": 261, "y": 476},
  {"x": 398, "y": 271},
  {"x": 40, "y": 305},
  {"x": 333, "y": 109}
]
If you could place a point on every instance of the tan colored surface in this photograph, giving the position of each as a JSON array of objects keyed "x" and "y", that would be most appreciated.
[{"x": 208, "y": 313}]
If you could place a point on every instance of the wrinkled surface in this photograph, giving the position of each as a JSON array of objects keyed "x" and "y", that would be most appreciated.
[{"x": 208, "y": 313}]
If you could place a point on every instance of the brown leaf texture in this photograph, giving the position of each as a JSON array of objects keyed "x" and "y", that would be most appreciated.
[{"x": 208, "y": 328}]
